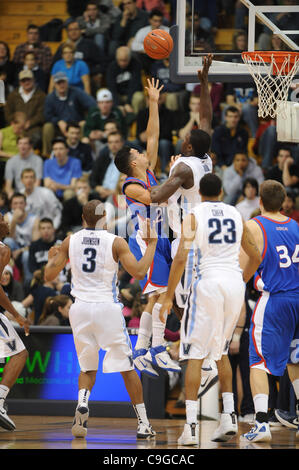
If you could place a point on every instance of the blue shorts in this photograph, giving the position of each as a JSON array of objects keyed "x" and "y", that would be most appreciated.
[
  {"x": 157, "y": 275},
  {"x": 274, "y": 332}
]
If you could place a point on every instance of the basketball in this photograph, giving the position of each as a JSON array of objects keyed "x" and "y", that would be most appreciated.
[{"x": 158, "y": 44}]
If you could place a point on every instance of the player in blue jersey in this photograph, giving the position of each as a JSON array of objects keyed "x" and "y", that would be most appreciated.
[
  {"x": 140, "y": 179},
  {"x": 275, "y": 320}
]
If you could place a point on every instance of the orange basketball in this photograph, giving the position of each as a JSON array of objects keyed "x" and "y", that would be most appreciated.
[{"x": 158, "y": 44}]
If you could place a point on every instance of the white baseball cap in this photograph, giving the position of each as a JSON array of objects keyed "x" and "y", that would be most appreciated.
[{"x": 104, "y": 95}]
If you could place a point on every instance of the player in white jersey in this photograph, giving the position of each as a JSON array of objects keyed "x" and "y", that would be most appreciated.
[
  {"x": 11, "y": 344},
  {"x": 216, "y": 296},
  {"x": 96, "y": 315}
]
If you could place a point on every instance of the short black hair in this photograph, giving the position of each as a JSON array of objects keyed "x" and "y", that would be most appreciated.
[
  {"x": 253, "y": 182},
  {"x": 59, "y": 140},
  {"x": 200, "y": 141},
  {"x": 156, "y": 12},
  {"x": 73, "y": 124},
  {"x": 232, "y": 109},
  {"x": 46, "y": 220},
  {"x": 122, "y": 160},
  {"x": 210, "y": 185}
]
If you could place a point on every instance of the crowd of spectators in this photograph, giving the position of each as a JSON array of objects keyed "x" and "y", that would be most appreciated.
[{"x": 68, "y": 112}]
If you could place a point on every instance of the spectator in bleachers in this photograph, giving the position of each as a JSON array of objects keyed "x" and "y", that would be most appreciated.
[
  {"x": 28, "y": 99},
  {"x": 104, "y": 176},
  {"x": 126, "y": 26},
  {"x": 14, "y": 167},
  {"x": 243, "y": 167},
  {"x": 72, "y": 208},
  {"x": 188, "y": 120},
  {"x": 155, "y": 22},
  {"x": 42, "y": 52},
  {"x": 202, "y": 37},
  {"x": 56, "y": 311},
  {"x": 38, "y": 249},
  {"x": 41, "y": 79},
  {"x": 289, "y": 206},
  {"x": 124, "y": 78},
  {"x": 108, "y": 7},
  {"x": 168, "y": 124},
  {"x": 117, "y": 215},
  {"x": 78, "y": 149},
  {"x": 290, "y": 175},
  {"x": 23, "y": 231},
  {"x": 175, "y": 92},
  {"x": 208, "y": 12},
  {"x": 86, "y": 50},
  {"x": 40, "y": 201},
  {"x": 8, "y": 140},
  {"x": 95, "y": 24},
  {"x": 61, "y": 171},
  {"x": 150, "y": 5},
  {"x": 250, "y": 203},
  {"x": 4, "y": 202},
  {"x": 76, "y": 70},
  {"x": 12, "y": 288},
  {"x": 98, "y": 115},
  {"x": 63, "y": 105},
  {"x": 275, "y": 172},
  {"x": 7, "y": 65},
  {"x": 229, "y": 138}
]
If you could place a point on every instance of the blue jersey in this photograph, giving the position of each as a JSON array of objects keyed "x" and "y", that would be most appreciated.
[{"x": 279, "y": 270}]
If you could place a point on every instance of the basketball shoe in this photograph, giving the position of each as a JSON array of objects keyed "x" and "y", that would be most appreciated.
[
  {"x": 227, "y": 428},
  {"x": 159, "y": 356},
  {"x": 142, "y": 364},
  {"x": 190, "y": 435},
  {"x": 144, "y": 431},
  {"x": 5, "y": 421},
  {"x": 209, "y": 376},
  {"x": 259, "y": 433},
  {"x": 79, "y": 428},
  {"x": 287, "y": 419}
]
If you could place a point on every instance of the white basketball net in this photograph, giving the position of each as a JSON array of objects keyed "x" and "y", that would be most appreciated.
[{"x": 272, "y": 87}]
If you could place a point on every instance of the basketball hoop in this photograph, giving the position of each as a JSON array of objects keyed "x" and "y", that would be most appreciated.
[{"x": 273, "y": 72}]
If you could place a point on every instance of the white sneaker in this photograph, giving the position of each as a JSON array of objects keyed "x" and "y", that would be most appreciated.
[
  {"x": 259, "y": 433},
  {"x": 79, "y": 428},
  {"x": 209, "y": 376},
  {"x": 227, "y": 428},
  {"x": 158, "y": 356},
  {"x": 5, "y": 421},
  {"x": 144, "y": 431},
  {"x": 143, "y": 365},
  {"x": 190, "y": 435}
]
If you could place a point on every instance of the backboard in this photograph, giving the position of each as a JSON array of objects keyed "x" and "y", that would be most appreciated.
[{"x": 254, "y": 26}]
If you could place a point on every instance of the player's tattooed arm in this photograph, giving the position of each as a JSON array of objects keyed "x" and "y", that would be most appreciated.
[
  {"x": 253, "y": 259},
  {"x": 181, "y": 174},
  {"x": 57, "y": 259}
]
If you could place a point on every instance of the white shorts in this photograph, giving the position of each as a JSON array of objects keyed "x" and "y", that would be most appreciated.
[
  {"x": 101, "y": 325},
  {"x": 182, "y": 289},
  {"x": 10, "y": 342},
  {"x": 211, "y": 314}
]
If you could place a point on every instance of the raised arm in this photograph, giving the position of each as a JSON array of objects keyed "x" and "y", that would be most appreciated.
[
  {"x": 205, "y": 106},
  {"x": 153, "y": 125}
]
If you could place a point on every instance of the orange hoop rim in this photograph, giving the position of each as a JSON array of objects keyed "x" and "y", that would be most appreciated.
[{"x": 267, "y": 56}]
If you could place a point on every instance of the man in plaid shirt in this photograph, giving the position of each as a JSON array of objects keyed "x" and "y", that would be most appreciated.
[{"x": 42, "y": 52}]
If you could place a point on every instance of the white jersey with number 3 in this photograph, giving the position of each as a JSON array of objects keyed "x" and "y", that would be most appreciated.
[
  {"x": 218, "y": 236},
  {"x": 94, "y": 270}
]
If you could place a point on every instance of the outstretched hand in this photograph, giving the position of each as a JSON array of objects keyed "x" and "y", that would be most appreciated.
[
  {"x": 203, "y": 73},
  {"x": 153, "y": 89}
]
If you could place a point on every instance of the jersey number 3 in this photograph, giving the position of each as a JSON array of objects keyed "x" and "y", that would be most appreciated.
[
  {"x": 90, "y": 265},
  {"x": 225, "y": 231}
]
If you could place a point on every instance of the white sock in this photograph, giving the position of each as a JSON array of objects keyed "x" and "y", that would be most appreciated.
[
  {"x": 141, "y": 413},
  {"x": 145, "y": 331},
  {"x": 228, "y": 402},
  {"x": 191, "y": 411},
  {"x": 83, "y": 396},
  {"x": 158, "y": 326},
  {"x": 296, "y": 388},
  {"x": 260, "y": 403},
  {"x": 3, "y": 394}
]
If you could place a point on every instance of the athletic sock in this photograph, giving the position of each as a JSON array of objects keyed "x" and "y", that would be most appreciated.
[
  {"x": 158, "y": 326},
  {"x": 261, "y": 407},
  {"x": 228, "y": 402},
  {"x": 83, "y": 397},
  {"x": 191, "y": 411},
  {"x": 3, "y": 394},
  {"x": 141, "y": 413},
  {"x": 145, "y": 331}
]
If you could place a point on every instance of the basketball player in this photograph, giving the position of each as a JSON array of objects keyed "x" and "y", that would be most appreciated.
[
  {"x": 140, "y": 178},
  {"x": 11, "y": 344},
  {"x": 96, "y": 315},
  {"x": 216, "y": 231},
  {"x": 275, "y": 320}
]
